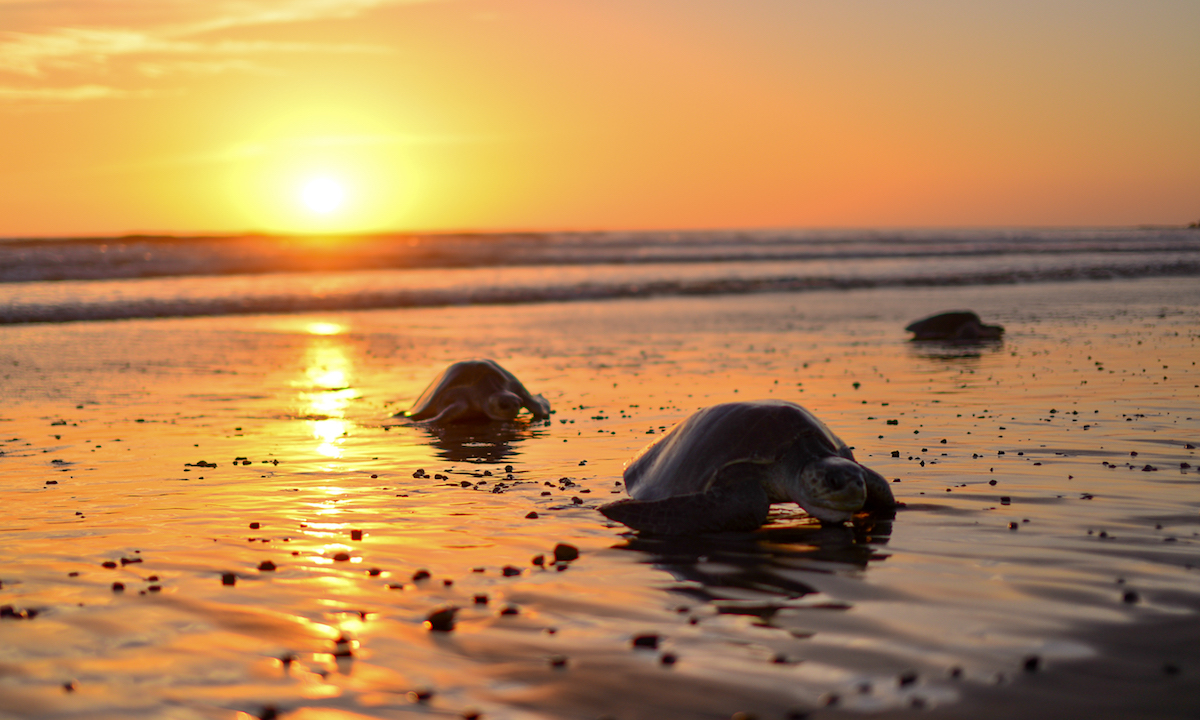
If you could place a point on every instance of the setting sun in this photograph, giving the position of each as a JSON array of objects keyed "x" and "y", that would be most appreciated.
[{"x": 322, "y": 195}]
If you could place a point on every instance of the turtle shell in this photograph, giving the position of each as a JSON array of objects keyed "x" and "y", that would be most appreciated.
[
  {"x": 478, "y": 380},
  {"x": 687, "y": 459},
  {"x": 954, "y": 325}
]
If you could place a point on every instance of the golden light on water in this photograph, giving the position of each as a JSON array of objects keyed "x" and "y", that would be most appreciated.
[
  {"x": 325, "y": 328},
  {"x": 326, "y": 390},
  {"x": 333, "y": 380},
  {"x": 330, "y": 433}
]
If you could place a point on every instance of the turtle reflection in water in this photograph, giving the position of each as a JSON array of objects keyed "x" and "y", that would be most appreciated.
[
  {"x": 721, "y": 469},
  {"x": 475, "y": 391},
  {"x": 761, "y": 573},
  {"x": 479, "y": 443}
]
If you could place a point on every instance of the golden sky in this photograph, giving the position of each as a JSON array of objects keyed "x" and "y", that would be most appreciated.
[{"x": 187, "y": 116}]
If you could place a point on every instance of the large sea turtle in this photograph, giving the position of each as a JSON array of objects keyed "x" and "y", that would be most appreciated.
[
  {"x": 721, "y": 469},
  {"x": 954, "y": 325},
  {"x": 475, "y": 391}
]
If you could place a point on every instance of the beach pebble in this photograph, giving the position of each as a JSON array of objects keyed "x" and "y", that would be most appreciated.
[
  {"x": 420, "y": 575},
  {"x": 510, "y": 571},
  {"x": 8, "y": 612},
  {"x": 266, "y": 566},
  {"x": 648, "y": 641},
  {"x": 531, "y": 515},
  {"x": 356, "y": 534},
  {"x": 343, "y": 647},
  {"x": 228, "y": 579},
  {"x": 558, "y": 661},
  {"x": 1032, "y": 663},
  {"x": 342, "y": 557},
  {"x": 565, "y": 553},
  {"x": 441, "y": 620}
]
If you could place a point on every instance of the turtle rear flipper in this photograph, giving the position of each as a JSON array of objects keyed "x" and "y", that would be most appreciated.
[{"x": 719, "y": 509}]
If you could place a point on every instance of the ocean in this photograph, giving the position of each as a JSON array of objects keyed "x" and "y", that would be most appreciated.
[{"x": 78, "y": 279}]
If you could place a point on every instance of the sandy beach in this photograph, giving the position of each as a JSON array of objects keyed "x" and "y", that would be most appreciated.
[{"x": 217, "y": 518}]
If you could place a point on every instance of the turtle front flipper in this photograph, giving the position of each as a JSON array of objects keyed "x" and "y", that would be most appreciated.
[
  {"x": 449, "y": 414},
  {"x": 539, "y": 406},
  {"x": 720, "y": 509}
]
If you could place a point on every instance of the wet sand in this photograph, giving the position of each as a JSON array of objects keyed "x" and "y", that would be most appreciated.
[{"x": 280, "y": 552}]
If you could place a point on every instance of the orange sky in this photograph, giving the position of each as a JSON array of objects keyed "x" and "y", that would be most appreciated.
[{"x": 187, "y": 116}]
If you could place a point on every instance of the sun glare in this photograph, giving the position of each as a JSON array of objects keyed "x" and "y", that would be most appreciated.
[{"x": 322, "y": 195}]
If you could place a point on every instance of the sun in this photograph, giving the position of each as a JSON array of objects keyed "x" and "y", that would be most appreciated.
[{"x": 322, "y": 195}]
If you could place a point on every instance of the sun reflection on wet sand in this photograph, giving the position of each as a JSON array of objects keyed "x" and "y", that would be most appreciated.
[{"x": 325, "y": 391}]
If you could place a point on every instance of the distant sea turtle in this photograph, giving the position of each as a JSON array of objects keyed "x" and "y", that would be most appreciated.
[
  {"x": 721, "y": 469},
  {"x": 475, "y": 391},
  {"x": 956, "y": 325}
]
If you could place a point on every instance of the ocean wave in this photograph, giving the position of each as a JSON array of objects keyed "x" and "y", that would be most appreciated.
[
  {"x": 131, "y": 257},
  {"x": 84, "y": 300}
]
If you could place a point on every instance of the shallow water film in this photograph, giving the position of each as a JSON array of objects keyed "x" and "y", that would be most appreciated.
[{"x": 220, "y": 518}]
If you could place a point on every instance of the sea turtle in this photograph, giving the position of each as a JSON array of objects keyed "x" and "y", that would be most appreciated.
[
  {"x": 955, "y": 325},
  {"x": 475, "y": 391},
  {"x": 721, "y": 469}
]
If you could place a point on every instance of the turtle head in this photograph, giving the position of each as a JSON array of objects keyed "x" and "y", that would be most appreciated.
[
  {"x": 831, "y": 489},
  {"x": 503, "y": 405}
]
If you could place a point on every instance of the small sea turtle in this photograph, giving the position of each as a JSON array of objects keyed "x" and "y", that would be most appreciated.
[
  {"x": 475, "y": 391},
  {"x": 721, "y": 469},
  {"x": 955, "y": 325}
]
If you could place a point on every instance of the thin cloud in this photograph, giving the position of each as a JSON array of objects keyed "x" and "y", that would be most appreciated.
[
  {"x": 99, "y": 33},
  {"x": 80, "y": 48},
  {"x": 70, "y": 94}
]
